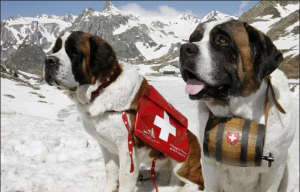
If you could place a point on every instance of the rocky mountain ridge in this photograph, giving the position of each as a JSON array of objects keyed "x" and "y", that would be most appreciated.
[{"x": 41, "y": 30}]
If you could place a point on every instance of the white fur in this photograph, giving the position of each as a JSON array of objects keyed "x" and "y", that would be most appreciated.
[
  {"x": 110, "y": 132},
  {"x": 64, "y": 72},
  {"x": 205, "y": 65},
  {"x": 279, "y": 136}
]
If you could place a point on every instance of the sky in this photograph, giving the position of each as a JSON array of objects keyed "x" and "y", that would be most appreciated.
[{"x": 142, "y": 8}]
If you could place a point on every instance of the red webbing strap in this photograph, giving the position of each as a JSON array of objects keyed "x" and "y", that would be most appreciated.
[
  {"x": 130, "y": 143},
  {"x": 153, "y": 173}
]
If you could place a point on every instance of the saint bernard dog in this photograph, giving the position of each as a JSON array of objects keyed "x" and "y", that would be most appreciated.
[
  {"x": 225, "y": 66},
  {"x": 86, "y": 67}
]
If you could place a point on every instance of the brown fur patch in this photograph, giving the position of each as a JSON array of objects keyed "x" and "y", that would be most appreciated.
[
  {"x": 135, "y": 102},
  {"x": 191, "y": 169},
  {"x": 84, "y": 45},
  {"x": 244, "y": 65},
  {"x": 85, "y": 48}
]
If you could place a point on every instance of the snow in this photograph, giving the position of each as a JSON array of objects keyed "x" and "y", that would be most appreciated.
[
  {"x": 28, "y": 20},
  {"x": 44, "y": 146},
  {"x": 126, "y": 27},
  {"x": 146, "y": 70},
  {"x": 291, "y": 27},
  {"x": 216, "y": 15},
  {"x": 151, "y": 52},
  {"x": 266, "y": 17},
  {"x": 289, "y": 42},
  {"x": 288, "y": 9},
  {"x": 266, "y": 25},
  {"x": 33, "y": 98},
  {"x": 15, "y": 34}
]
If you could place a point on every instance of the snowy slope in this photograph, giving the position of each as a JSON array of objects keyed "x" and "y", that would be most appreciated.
[{"x": 44, "y": 146}]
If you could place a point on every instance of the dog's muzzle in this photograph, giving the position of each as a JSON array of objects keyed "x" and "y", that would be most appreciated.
[{"x": 51, "y": 67}]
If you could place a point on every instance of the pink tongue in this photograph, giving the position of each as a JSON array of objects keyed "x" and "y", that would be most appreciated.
[{"x": 193, "y": 86}]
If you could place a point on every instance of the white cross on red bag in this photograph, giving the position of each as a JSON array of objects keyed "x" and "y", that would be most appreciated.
[{"x": 160, "y": 125}]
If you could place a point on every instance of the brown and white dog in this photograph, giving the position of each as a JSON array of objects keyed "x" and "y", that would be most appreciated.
[
  {"x": 225, "y": 65},
  {"x": 80, "y": 64}
]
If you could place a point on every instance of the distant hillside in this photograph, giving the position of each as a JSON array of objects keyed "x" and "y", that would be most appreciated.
[{"x": 280, "y": 21}]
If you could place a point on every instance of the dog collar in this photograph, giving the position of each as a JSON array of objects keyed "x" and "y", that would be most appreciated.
[{"x": 107, "y": 80}]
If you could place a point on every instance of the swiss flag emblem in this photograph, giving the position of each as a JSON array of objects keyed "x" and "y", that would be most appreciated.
[
  {"x": 232, "y": 138},
  {"x": 160, "y": 125}
]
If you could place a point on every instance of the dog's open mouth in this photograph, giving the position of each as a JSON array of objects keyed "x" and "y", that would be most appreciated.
[{"x": 195, "y": 86}]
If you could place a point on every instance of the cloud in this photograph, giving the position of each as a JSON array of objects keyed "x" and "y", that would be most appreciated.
[
  {"x": 160, "y": 11},
  {"x": 241, "y": 7}
]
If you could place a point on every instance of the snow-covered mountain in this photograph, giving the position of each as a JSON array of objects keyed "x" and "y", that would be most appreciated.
[
  {"x": 216, "y": 15},
  {"x": 133, "y": 37},
  {"x": 280, "y": 21},
  {"x": 41, "y": 30}
]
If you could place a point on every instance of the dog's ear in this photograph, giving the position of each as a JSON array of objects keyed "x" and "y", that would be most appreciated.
[
  {"x": 265, "y": 56},
  {"x": 102, "y": 55}
]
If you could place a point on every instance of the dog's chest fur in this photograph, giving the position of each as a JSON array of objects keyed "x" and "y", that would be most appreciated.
[{"x": 107, "y": 129}]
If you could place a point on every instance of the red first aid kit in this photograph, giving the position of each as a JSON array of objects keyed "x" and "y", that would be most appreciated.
[{"x": 160, "y": 125}]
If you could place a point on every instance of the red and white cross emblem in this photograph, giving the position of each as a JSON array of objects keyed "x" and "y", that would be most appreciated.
[
  {"x": 166, "y": 127},
  {"x": 232, "y": 138}
]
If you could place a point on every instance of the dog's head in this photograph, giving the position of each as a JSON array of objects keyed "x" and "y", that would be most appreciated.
[
  {"x": 226, "y": 58},
  {"x": 78, "y": 58}
]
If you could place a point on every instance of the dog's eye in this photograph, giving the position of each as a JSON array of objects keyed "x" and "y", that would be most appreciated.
[{"x": 222, "y": 40}]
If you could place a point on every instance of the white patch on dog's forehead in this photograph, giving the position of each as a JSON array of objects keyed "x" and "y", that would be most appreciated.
[
  {"x": 205, "y": 67},
  {"x": 64, "y": 38}
]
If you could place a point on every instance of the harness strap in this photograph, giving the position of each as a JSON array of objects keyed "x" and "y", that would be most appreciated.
[
  {"x": 130, "y": 148},
  {"x": 160, "y": 156},
  {"x": 267, "y": 105},
  {"x": 153, "y": 173},
  {"x": 130, "y": 141}
]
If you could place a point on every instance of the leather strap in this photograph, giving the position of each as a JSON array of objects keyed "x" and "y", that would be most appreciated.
[{"x": 267, "y": 105}]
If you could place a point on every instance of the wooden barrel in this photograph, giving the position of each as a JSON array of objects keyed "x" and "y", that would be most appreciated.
[{"x": 234, "y": 141}]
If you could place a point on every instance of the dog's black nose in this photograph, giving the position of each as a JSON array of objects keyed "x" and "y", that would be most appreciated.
[
  {"x": 188, "y": 50},
  {"x": 51, "y": 60}
]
